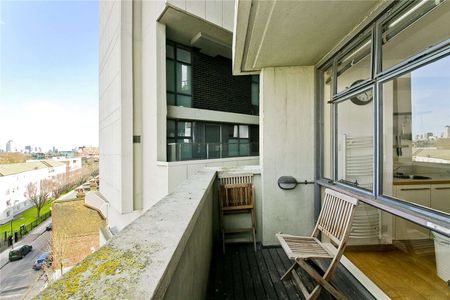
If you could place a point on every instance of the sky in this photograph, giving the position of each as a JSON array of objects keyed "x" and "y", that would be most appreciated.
[
  {"x": 49, "y": 74},
  {"x": 430, "y": 93}
]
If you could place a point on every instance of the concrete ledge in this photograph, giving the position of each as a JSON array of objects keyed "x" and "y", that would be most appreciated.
[{"x": 143, "y": 260}]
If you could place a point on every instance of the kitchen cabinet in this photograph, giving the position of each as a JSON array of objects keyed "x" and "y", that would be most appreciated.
[
  {"x": 436, "y": 196},
  {"x": 418, "y": 194},
  {"x": 440, "y": 197}
]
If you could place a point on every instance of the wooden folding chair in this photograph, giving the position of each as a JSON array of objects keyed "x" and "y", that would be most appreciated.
[
  {"x": 335, "y": 220},
  {"x": 236, "y": 199}
]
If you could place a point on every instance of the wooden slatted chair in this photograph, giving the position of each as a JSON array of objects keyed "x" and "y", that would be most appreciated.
[
  {"x": 236, "y": 199},
  {"x": 335, "y": 220}
]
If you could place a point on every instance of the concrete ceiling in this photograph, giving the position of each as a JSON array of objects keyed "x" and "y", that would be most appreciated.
[
  {"x": 286, "y": 33},
  {"x": 188, "y": 29}
]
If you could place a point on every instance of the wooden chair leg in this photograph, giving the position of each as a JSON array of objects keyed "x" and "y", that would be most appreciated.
[
  {"x": 320, "y": 280},
  {"x": 292, "y": 268}
]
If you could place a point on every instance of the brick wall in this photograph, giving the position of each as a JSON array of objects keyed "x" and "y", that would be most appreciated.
[
  {"x": 215, "y": 88},
  {"x": 75, "y": 231}
]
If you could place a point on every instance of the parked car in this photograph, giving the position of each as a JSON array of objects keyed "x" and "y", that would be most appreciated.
[
  {"x": 19, "y": 252},
  {"x": 40, "y": 261},
  {"x": 49, "y": 227}
]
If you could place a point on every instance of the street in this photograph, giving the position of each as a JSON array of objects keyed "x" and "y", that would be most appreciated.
[{"x": 18, "y": 279}]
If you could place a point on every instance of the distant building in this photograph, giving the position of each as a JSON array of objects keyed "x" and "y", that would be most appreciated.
[
  {"x": 28, "y": 149},
  {"x": 446, "y": 132},
  {"x": 15, "y": 177},
  {"x": 88, "y": 152},
  {"x": 9, "y": 146}
]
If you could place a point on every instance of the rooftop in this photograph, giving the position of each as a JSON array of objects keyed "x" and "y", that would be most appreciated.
[{"x": 17, "y": 168}]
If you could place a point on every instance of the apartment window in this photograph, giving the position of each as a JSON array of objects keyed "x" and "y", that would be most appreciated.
[
  {"x": 386, "y": 112},
  {"x": 354, "y": 66},
  {"x": 385, "y": 107},
  {"x": 355, "y": 140},
  {"x": 416, "y": 117},
  {"x": 178, "y": 75},
  {"x": 179, "y": 140},
  {"x": 414, "y": 27},
  {"x": 255, "y": 94},
  {"x": 187, "y": 140}
]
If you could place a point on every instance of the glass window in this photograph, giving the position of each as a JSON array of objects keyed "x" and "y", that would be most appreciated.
[
  {"x": 255, "y": 90},
  {"x": 327, "y": 123},
  {"x": 183, "y": 55},
  {"x": 185, "y": 101},
  {"x": 170, "y": 51},
  {"x": 243, "y": 131},
  {"x": 178, "y": 76},
  {"x": 170, "y": 128},
  {"x": 170, "y": 99},
  {"x": 170, "y": 76},
  {"x": 183, "y": 78},
  {"x": 184, "y": 129},
  {"x": 354, "y": 67},
  {"x": 416, "y": 27},
  {"x": 355, "y": 140},
  {"x": 416, "y": 126}
]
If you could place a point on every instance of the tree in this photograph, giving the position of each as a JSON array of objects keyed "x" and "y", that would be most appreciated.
[
  {"x": 31, "y": 192},
  {"x": 39, "y": 199},
  {"x": 59, "y": 185},
  {"x": 60, "y": 242}
]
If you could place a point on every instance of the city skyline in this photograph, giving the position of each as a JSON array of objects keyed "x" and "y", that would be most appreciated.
[{"x": 49, "y": 74}]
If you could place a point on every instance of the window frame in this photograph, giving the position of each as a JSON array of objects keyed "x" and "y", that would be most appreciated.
[
  {"x": 240, "y": 140},
  {"x": 175, "y": 60},
  {"x": 424, "y": 216}
]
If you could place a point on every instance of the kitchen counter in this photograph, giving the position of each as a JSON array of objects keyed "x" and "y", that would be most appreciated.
[{"x": 398, "y": 181}]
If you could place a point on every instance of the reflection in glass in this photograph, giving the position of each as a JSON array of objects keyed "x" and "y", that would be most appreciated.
[
  {"x": 185, "y": 101},
  {"x": 170, "y": 76},
  {"x": 327, "y": 123},
  {"x": 183, "y": 55},
  {"x": 354, "y": 67},
  {"x": 420, "y": 25},
  {"x": 355, "y": 141},
  {"x": 416, "y": 109},
  {"x": 169, "y": 51},
  {"x": 184, "y": 81},
  {"x": 184, "y": 129}
]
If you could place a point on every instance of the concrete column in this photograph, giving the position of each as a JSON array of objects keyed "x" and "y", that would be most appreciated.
[{"x": 287, "y": 148}]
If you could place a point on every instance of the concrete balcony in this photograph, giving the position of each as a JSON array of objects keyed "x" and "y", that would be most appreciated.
[{"x": 169, "y": 253}]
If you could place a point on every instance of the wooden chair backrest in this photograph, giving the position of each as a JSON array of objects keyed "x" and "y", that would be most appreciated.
[
  {"x": 336, "y": 216},
  {"x": 234, "y": 178},
  {"x": 237, "y": 196}
]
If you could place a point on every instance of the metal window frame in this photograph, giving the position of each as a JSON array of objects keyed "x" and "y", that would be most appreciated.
[
  {"x": 434, "y": 220},
  {"x": 221, "y": 124},
  {"x": 175, "y": 60}
]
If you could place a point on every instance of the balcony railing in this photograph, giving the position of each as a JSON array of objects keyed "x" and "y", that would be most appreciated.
[{"x": 193, "y": 151}]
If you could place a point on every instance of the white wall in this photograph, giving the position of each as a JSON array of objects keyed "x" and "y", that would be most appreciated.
[
  {"x": 219, "y": 12},
  {"x": 287, "y": 148},
  {"x": 180, "y": 171},
  {"x": 13, "y": 189},
  {"x": 120, "y": 72},
  {"x": 115, "y": 113}
]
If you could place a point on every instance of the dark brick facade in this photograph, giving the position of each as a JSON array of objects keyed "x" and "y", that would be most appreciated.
[{"x": 215, "y": 88}]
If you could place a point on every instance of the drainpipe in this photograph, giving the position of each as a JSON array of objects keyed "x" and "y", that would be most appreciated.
[{"x": 137, "y": 103}]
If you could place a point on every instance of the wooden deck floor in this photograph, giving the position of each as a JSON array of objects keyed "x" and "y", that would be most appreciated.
[{"x": 243, "y": 274}]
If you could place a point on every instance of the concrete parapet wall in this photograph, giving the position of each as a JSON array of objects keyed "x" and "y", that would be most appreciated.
[{"x": 163, "y": 254}]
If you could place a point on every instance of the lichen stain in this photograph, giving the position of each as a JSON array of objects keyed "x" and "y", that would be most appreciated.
[{"x": 107, "y": 272}]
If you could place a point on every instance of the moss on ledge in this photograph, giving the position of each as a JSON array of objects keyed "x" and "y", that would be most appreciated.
[{"x": 112, "y": 267}]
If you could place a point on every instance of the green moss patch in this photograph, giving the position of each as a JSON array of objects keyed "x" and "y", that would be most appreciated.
[{"x": 108, "y": 272}]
